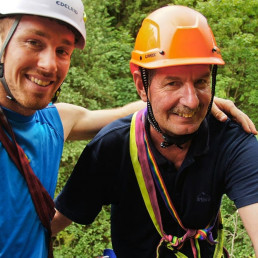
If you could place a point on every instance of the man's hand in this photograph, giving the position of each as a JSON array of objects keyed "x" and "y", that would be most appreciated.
[{"x": 221, "y": 107}]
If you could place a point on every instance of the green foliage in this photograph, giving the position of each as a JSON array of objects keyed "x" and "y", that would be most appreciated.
[
  {"x": 100, "y": 78},
  {"x": 235, "y": 27},
  {"x": 84, "y": 241},
  {"x": 236, "y": 240}
]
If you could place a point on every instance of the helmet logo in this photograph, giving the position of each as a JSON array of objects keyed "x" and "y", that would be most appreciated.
[
  {"x": 66, "y": 6},
  {"x": 150, "y": 55}
]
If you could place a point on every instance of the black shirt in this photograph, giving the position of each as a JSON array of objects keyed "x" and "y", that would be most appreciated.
[{"x": 221, "y": 159}]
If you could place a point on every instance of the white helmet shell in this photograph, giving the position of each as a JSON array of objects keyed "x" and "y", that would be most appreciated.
[{"x": 68, "y": 11}]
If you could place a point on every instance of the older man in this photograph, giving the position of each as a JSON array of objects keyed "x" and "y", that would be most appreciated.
[{"x": 165, "y": 169}]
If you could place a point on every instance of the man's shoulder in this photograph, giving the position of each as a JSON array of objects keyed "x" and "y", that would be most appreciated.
[
  {"x": 49, "y": 110},
  {"x": 228, "y": 132},
  {"x": 230, "y": 126},
  {"x": 118, "y": 129},
  {"x": 50, "y": 116}
]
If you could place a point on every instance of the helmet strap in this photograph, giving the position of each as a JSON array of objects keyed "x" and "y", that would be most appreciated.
[
  {"x": 150, "y": 115},
  {"x": 2, "y": 78},
  {"x": 177, "y": 140},
  {"x": 57, "y": 93},
  {"x": 213, "y": 84}
]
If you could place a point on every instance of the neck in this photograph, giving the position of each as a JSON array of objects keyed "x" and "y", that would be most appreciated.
[
  {"x": 173, "y": 153},
  {"x": 16, "y": 107}
]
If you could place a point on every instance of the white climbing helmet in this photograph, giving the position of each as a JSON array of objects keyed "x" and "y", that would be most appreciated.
[{"x": 68, "y": 11}]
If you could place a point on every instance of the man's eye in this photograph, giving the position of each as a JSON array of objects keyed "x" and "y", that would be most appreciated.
[
  {"x": 174, "y": 83},
  {"x": 63, "y": 52},
  {"x": 33, "y": 42},
  {"x": 202, "y": 83}
]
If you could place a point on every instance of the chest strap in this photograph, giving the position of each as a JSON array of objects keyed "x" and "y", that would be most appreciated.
[{"x": 147, "y": 172}]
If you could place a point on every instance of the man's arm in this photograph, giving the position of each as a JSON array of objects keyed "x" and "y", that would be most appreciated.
[
  {"x": 82, "y": 124},
  {"x": 59, "y": 223},
  {"x": 249, "y": 216}
]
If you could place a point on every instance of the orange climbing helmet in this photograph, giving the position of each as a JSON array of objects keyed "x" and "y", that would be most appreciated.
[{"x": 174, "y": 35}]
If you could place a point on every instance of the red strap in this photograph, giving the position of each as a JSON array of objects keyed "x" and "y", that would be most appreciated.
[{"x": 43, "y": 202}]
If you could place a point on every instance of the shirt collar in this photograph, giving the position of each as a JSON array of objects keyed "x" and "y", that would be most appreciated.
[{"x": 14, "y": 116}]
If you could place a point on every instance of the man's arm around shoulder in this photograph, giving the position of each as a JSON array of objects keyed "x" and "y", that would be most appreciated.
[{"x": 83, "y": 124}]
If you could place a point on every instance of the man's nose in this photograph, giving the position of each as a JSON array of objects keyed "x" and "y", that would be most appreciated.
[
  {"x": 47, "y": 60},
  {"x": 189, "y": 96}
]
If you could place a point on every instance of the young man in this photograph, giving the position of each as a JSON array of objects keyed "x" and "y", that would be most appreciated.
[
  {"x": 37, "y": 41},
  {"x": 165, "y": 169}
]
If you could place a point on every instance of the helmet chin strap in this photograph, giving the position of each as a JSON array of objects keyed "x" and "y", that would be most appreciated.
[
  {"x": 2, "y": 78},
  {"x": 57, "y": 93},
  {"x": 169, "y": 140}
]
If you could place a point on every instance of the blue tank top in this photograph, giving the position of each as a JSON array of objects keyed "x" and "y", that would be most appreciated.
[{"x": 41, "y": 137}]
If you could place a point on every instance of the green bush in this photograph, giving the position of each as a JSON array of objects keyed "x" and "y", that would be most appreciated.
[
  {"x": 236, "y": 240},
  {"x": 85, "y": 241}
]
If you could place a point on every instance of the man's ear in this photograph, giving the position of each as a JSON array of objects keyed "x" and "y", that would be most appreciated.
[{"x": 139, "y": 85}]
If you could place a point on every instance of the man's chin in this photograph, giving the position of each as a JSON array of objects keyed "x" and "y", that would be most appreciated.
[
  {"x": 184, "y": 129},
  {"x": 37, "y": 105}
]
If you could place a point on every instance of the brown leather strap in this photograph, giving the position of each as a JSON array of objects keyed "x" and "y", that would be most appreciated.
[{"x": 43, "y": 202}]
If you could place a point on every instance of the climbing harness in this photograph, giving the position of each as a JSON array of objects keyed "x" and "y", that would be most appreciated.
[{"x": 147, "y": 172}]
